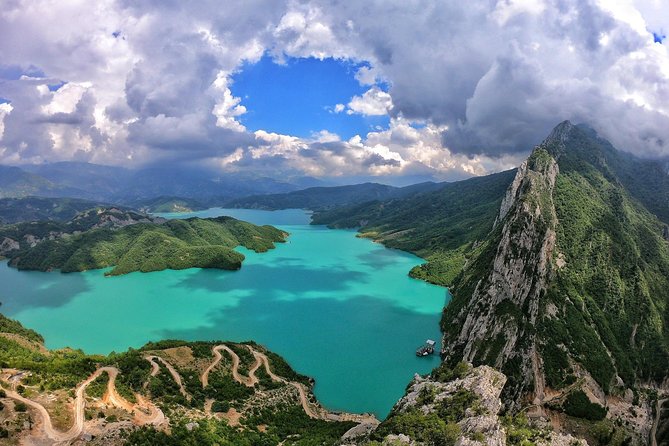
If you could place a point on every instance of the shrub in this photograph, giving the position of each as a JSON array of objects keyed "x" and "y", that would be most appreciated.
[
  {"x": 220, "y": 406},
  {"x": 578, "y": 405}
]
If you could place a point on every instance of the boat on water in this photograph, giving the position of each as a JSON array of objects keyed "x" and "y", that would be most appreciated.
[{"x": 427, "y": 349}]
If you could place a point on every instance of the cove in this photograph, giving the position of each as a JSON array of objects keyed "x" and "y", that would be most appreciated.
[{"x": 339, "y": 308}]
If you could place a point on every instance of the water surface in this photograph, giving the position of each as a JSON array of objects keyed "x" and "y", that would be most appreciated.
[{"x": 340, "y": 309}]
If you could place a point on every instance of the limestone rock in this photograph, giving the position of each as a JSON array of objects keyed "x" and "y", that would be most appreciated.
[{"x": 8, "y": 245}]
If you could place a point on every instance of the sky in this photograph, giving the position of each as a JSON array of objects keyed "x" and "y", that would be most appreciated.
[{"x": 384, "y": 89}]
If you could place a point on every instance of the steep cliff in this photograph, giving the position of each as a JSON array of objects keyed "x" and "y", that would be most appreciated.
[
  {"x": 496, "y": 325},
  {"x": 571, "y": 288}
]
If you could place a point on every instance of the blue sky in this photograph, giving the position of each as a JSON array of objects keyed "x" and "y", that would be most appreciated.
[{"x": 298, "y": 97}]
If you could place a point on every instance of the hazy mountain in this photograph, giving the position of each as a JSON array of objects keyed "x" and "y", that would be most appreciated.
[
  {"x": 328, "y": 197},
  {"x": 125, "y": 186},
  {"x": 16, "y": 182},
  {"x": 14, "y": 210}
]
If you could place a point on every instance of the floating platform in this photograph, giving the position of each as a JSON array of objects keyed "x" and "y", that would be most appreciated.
[{"x": 427, "y": 349}]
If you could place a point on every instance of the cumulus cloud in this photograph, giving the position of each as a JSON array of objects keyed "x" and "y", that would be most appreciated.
[
  {"x": 5, "y": 109},
  {"x": 143, "y": 81},
  {"x": 373, "y": 102},
  {"x": 403, "y": 149}
]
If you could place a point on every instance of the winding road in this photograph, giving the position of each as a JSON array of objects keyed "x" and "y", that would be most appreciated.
[
  {"x": 155, "y": 415},
  {"x": 656, "y": 421},
  {"x": 145, "y": 412},
  {"x": 155, "y": 369},
  {"x": 249, "y": 381},
  {"x": 252, "y": 380}
]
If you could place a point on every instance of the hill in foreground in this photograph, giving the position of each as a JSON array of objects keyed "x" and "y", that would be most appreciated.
[
  {"x": 169, "y": 393},
  {"x": 219, "y": 393}
]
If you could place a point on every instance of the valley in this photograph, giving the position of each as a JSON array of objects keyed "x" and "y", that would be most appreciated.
[{"x": 555, "y": 333}]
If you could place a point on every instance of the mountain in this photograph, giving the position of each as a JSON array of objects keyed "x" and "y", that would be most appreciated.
[
  {"x": 198, "y": 184},
  {"x": 563, "y": 285},
  {"x": 569, "y": 294},
  {"x": 573, "y": 282},
  {"x": 647, "y": 180},
  {"x": 84, "y": 180},
  {"x": 28, "y": 234},
  {"x": 167, "y": 204},
  {"x": 15, "y": 210},
  {"x": 441, "y": 225},
  {"x": 126, "y": 186},
  {"x": 15, "y": 182},
  {"x": 327, "y": 197}
]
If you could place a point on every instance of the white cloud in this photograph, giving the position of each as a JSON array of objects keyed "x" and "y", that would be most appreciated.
[
  {"x": 367, "y": 75},
  {"x": 227, "y": 107},
  {"x": 373, "y": 102},
  {"x": 405, "y": 148},
  {"x": 506, "y": 10},
  {"x": 5, "y": 109},
  {"x": 147, "y": 82},
  {"x": 65, "y": 99}
]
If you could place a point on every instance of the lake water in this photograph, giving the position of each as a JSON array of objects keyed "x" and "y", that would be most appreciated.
[{"x": 339, "y": 308}]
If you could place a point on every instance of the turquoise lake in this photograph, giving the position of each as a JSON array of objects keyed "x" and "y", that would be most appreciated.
[{"x": 339, "y": 308}]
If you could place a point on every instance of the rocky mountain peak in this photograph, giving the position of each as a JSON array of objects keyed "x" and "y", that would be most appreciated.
[
  {"x": 560, "y": 294},
  {"x": 558, "y": 140},
  {"x": 497, "y": 324}
]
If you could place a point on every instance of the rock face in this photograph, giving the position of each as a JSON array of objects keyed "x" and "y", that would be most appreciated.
[
  {"x": 112, "y": 218},
  {"x": 484, "y": 382},
  {"x": 565, "y": 294},
  {"x": 30, "y": 234},
  {"x": 496, "y": 323},
  {"x": 7, "y": 245},
  {"x": 480, "y": 424}
]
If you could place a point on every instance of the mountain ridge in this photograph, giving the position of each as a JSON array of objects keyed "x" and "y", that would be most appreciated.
[{"x": 570, "y": 291}]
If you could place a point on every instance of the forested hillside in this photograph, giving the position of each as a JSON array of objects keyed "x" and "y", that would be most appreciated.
[
  {"x": 318, "y": 198},
  {"x": 441, "y": 226},
  {"x": 174, "y": 244}
]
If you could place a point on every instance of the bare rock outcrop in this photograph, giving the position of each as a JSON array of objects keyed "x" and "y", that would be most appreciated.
[
  {"x": 479, "y": 425},
  {"x": 7, "y": 244},
  {"x": 504, "y": 305}
]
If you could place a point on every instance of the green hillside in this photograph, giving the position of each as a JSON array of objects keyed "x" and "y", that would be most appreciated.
[
  {"x": 441, "y": 226},
  {"x": 196, "y": 412},
  {"x": 328, "y": 197},
  {"x": 577, "y": 271},
  {"x": 15, "y": 210},
  {"x": 617, "y": 268},
  {"x": 168, "y": 204},
  {"x": 175, "y": 244},
  {"x": 15, "y": 182}
]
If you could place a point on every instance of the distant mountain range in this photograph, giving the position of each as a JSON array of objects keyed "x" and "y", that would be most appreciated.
[
  {"x": 15, "y": 210},
  {"x": 124, "y": 186},
  {"x": 178, "y": 190},
  {"x": 318, "y": 198}
]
